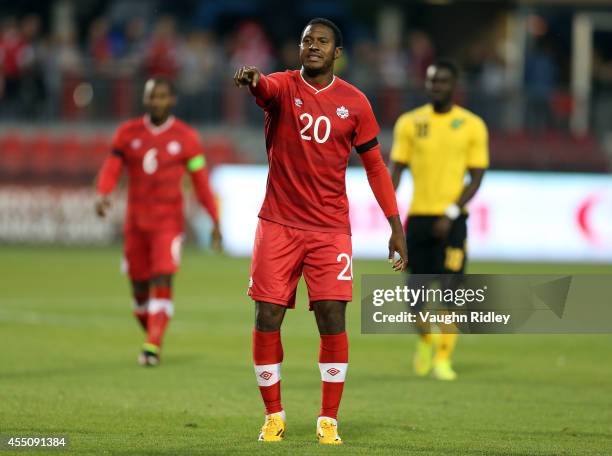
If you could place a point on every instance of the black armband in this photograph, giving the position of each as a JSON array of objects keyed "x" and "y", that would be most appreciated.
[{"x": 366, "y": 146}]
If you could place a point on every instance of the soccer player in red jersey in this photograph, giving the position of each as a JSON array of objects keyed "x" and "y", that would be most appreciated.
[
  {"x": 313, "y": 120},
  {"x": 156, "y": 150}
]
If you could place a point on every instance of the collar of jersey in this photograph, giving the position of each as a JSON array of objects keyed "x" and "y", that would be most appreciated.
[
  {"x": 442, "y": 114},
  {"x": 314, "y": 88},
  {"x": 157, "y": 129}
]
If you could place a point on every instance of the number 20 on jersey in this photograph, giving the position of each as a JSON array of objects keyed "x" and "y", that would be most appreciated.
[{"x": 319, "y": 128}]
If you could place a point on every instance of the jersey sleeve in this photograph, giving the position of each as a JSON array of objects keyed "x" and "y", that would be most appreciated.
[
  {"x": 113, "y": 164},
  {"x": 195, "y": 163},
  {"x": 193, "y": 146},
  {"x": 204, "y": 193},
  {"x": 367, "y": 128},
  {"x": 478, "y": 153},
  {"x": 401, "y": 151},
  {"x": 380, "y": 181},
  {"x": 119, "y": 142},
  {"x": 269, "y": 89}
]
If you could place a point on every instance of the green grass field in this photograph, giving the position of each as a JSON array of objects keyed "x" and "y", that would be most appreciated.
[{"x": 68, "y": 366}]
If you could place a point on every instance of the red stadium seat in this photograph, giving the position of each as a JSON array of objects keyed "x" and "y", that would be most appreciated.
[
  {"x": 13, "y": 158},
  {"x": 69, "y": 154},
  {"x": 95, "y": 151},
  {"x": 550, "y": 151},
  {"x": 43, "y": 164}
]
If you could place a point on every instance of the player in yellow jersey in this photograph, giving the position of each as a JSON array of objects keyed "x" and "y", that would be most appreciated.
[{"x": 441, "y": 143}]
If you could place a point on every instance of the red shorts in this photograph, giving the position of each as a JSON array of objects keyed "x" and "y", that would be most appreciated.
[
  {"x": 282, "y": 253},
  {"x": 152, "y": 253}
]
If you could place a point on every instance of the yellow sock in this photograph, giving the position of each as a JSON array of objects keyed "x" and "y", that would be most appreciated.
[
  {"x": 445, "y": 347},
  {"x": 425, "y": 336}
]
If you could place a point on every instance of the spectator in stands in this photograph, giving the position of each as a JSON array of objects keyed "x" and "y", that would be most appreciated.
[
  {"x": 133, "y": 45},
  {"x": 129, "y": 49},
  {"x": 250, "y": 44},
  {"x": 199, "y": 62},
  {"x": 540, "y": 84},
  {"x": 99, "y": 51},
  {"x": 421, "y": 55},
  {"x": 602, "y": 93},
  {"x": 486, "y": 83},
  {"x": 495, "y": 88},
  {"x": 162, "y": 54},
  {"x": 21, "y": 88},
  {"x": 15, "y": 55},
  {"x": 62, "y": 68},
  {"x": 99, "y": 45},
  {"x": 364, "y": 70},
  {"x": 393, "y": 67},
  {"x": 32, "y": 83}
]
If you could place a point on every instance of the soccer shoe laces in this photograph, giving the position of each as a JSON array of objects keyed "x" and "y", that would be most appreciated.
[
  {"x": 329, "y": 429},
  {"x": 273, "y": 426},
  {"x": 327, "y": 425}
]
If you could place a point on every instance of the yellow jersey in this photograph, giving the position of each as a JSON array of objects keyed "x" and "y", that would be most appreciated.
[{"x": 439, "y": 148}]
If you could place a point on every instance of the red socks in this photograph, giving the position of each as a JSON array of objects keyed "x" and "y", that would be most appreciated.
[
  {"x": 141, "y": 302},
  {"x": 333, "y": 364},
  {"x": 159, "y": 313},
  {"x": 267, "y": 357}
]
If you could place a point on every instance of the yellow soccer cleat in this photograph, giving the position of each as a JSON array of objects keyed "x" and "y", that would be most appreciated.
[
  {"x": 422, "y": 358},
  {"x": 327, "y": 431},
  {"x": 442, "y": 370},
  {"x": 273, "y": 429}
]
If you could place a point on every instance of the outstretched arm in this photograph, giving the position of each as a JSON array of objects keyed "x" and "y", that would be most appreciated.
[
  {"x": 264, "y": 88},
  {"x": 382, "y": 187},
  {"x": 107, "y": 181}
]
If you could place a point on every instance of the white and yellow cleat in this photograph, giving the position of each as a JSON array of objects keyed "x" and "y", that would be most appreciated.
[
  {"x": 442, "y": 370},
  {"x": 327, "y": 431},
  {"x": 273, "y": 429}
]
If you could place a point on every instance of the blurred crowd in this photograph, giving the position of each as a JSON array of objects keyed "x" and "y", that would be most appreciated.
[
  {"x": 43, "y": 75},
  {"x": 40, "y": 73},
  {"x": 96, "y": 73}
]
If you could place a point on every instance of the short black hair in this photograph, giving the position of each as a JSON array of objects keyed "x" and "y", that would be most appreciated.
[
  {"x": 163, "y": 80},
  {"x": 449, "y": 65},
  {"x": 338, "y": 42}
]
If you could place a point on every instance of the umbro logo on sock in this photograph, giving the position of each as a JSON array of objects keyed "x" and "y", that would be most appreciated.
[
  {"x": 332, "y": 371},
  {"x": 266, "y": 375}
]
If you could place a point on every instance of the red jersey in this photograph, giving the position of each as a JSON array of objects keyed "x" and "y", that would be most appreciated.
[
  {"x": 310, "y": 132},
  {"x": 156, "y": 158},
  {"x": 13, "y": 53}
]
